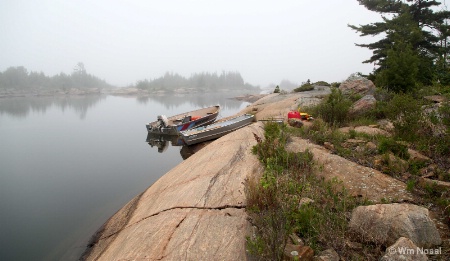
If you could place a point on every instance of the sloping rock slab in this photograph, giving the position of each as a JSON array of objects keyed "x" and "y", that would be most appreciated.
[
  {"x": 194, "y": 212},
  {"x": 278, "y": 105},
  {"x": 366, "y": 129},
  {"x": 357, "y": 179},
  {"x": 182, "y": 234}
]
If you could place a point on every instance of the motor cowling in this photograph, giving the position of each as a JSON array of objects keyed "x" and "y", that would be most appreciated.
[{"x": 163, "y": 120}]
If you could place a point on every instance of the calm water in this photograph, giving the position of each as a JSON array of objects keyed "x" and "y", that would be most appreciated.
[{"x": 68, "y": 163}]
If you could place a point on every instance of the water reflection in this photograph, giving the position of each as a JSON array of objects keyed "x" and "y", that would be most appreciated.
[
  {"x": 171, "y": 101},
  {"x": 21, "y": 106},
  {"x": 162, "y": 143},
  {"x": 65, "y": 197}
]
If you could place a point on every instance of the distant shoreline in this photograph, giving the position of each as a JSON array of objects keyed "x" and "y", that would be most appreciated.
[{"x": 125, "y": 91}]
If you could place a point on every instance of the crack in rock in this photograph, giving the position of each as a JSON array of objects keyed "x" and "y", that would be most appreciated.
[
  {"x": 170, "y": 238},
  {"x": 225, "y": 170},
  {"x": 173, "y": 208}
]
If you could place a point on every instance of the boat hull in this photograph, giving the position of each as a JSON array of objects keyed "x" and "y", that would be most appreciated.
[
  {"x": 176, "y": 124},
  {"x": 216, "y": 130}
]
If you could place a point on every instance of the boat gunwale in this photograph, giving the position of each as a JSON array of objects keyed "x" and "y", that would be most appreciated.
[
  {"x": 219, "y": 124},
  {"x": 171, "y": 118},
  {"x": 210, "y": 115}
]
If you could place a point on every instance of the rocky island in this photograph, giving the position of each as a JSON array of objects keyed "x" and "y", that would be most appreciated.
[{"x": 197, "y": 211}]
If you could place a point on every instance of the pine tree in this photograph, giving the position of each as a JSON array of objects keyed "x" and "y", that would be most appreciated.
[
  {"x": 402, "y": 69},
  {"x": 406, "y": 24},
  {"x": 277, "y": 89}
]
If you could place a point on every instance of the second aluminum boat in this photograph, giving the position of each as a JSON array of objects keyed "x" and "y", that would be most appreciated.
[{"x": 216, "y": 130}]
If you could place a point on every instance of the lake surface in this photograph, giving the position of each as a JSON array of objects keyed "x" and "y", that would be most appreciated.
[{"x": 69, "y": 163}]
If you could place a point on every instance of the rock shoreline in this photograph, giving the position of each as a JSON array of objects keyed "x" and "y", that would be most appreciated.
[{"x": 196, "y": 211}]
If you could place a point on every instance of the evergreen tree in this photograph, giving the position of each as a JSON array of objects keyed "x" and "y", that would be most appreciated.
[
  {"x": 410, "y": 26},
  {"x": 402, "y": 69},
  {"x": 277, "y": 89}
]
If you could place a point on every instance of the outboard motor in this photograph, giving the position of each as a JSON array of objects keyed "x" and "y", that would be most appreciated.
[
  {"x": 163, "y": 121},
  {"x": 187, "y": 118}
]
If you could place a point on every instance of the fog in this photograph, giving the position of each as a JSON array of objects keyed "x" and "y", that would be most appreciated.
[{"x": 126, "y": 41}]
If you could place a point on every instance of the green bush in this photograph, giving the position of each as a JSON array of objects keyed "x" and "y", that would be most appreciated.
[
  {"x": 444, "y": 112},
  {"x": 334, "y": 109},
  {"x": 335, "y": 84},
  {"x": 322, "y": 83},
  {"x": 386, "y": 144},
  {"x": 304, "y": 87},
  {"x": 318, "y": 132},
  {"x": 273, "y": 200},
  {"x": 405, "y": 112},
  {"x": 410, "y": 185}
]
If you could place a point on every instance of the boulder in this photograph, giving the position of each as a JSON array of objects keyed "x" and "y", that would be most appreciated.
[
  {"x": 327, "y": 255},
  {"x": 433, "y": 111},
  {"x": 436, "y": 98},
  {"x": 363, "y": 105},
  {"x": 328, "y": 145},
  {"x": 296, "y": 240},
  {"x": 372, "y": 131},
  {"x": 297, "y": 123},
  {"x": 305, "y": 201},
  {"x": 428, "y": 171},
  {"x": 297, "y": 252},
  {"x": 353, "y": 245},
  {"x": 441, "y": 185},
  {"x": 390, "y": 164},
  {"x": 418, "y": 157},
  {"x": 361, "y": 86},
  {"x": 371, "y": 146},
  {"x": 403, "y": 250},
  {"x": 385, "y": 223},
  {"x": 386, "y": 125},
  {"x": 346, "y": 129},
  {"x": 350, "y": 143}
]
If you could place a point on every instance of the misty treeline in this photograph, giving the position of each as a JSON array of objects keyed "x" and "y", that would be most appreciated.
[
  {"x": 20, "y": 79},
  {"x": 413, "y": 46},
  {"x": 202, "y": 81}
]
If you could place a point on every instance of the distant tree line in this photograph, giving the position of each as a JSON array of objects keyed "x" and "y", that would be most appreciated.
[
  {"x": 20, "y": 79},
  {"x": 202, "y": 81}
]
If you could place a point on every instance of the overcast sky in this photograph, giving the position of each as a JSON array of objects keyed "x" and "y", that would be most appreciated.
[{"x": 126, "y": 41}]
